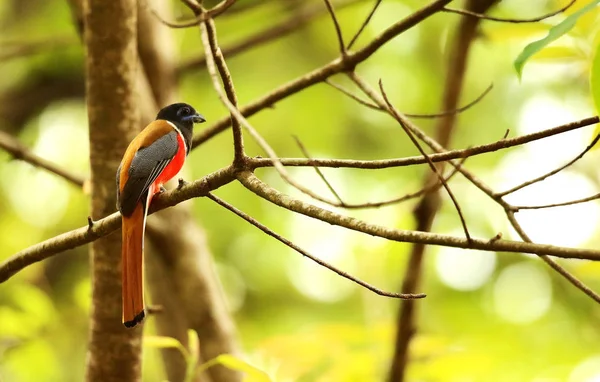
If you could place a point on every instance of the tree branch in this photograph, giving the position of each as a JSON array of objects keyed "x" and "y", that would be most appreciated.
[
  {"x": 322, "y": 263},
  {"x": 11, "y": 145},
  {"x": 481, "y": 16},
  {"x": 251, "y": 182},
  {"x": 112, "y": 222},
  {"x": 318, "y": 75}
]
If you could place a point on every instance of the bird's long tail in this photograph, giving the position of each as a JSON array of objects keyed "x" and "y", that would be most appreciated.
[{"x": 132, "y": 255}]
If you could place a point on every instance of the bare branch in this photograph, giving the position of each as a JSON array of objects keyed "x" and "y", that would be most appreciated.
[
  {"x": 553, "y": 172},
  {"x": 453, "y": 111},
  {"x": 336, "y": 24},
  {"x": 553, "y": 264},
  {"x": 401, "y": 120},
  {"x": 253, "y": 133},
  {"x": 352, "y": 95},
  {"x": 322, "y": 263},
  {"x": 437, "y": 157},
  {"x": 364, "y": 24},
  {"x": 326, "y": 71},
  {"x": 18, "y": 151},
  {"x": 569, "y": 203},
  {"x": 214, "y": 57},
  {"x": 471, "y": 177},
  {"x": 318, "y": 171},
  {"x": 251, "y": 182},
  {"x": 200, "y": 16},
  {"x": 105, "y": 226},
  {"x": 201, "y": 187},
  {"x": 465, "y": 12},
  {"x": 299, "y": 18}
]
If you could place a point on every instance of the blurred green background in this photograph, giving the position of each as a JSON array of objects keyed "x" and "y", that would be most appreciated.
[{"x": 487, "y": 317}]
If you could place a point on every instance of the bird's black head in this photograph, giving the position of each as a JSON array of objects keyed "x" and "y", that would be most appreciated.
[
  {"x": 183, "y": 116},
  {"x": 180, "y": 114}
]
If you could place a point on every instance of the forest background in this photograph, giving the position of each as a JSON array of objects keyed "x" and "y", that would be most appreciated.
[{"x": 488, "y": 315}]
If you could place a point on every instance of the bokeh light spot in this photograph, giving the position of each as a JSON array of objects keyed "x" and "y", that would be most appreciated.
[
  {"x": 522, "y": 293},
  {"x": 464, "y": 270}
]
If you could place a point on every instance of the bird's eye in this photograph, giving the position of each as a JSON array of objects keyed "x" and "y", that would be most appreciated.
[{"x": 185, "y": 111}]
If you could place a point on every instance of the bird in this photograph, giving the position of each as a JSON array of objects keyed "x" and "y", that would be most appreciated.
[{"x": 152, "y": 158}]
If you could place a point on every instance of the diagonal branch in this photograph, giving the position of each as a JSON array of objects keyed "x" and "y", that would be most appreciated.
[
  {"x": 364, "y": 24},
  {"x": 322, "y": 263},
  {"x": 326, "y": 71},
  {"x": 215, "y": 58},
  {"x": 104, "y": 226},
  {"x": 11, "y": 145},
  {"x": 336, "y": 24},
  {"x": 553, "y": 172},
  {"x": 434, "y": 169},
  {"x": 434, "y": 145},
  {"x": 298, "y": 19}
]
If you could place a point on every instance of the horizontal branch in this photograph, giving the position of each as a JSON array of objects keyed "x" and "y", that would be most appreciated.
[
  {"x": 103, "y": 227},
  {"x": 251, "y": 182},
  {"x": 438, "y": 157}
]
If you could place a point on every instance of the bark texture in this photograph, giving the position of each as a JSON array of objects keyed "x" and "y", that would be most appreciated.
[{"x": 111, "y": 64}]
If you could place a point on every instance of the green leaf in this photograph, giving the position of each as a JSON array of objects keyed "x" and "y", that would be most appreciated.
[
  {"x": 554, "y": 33},
  {"x": 235, "y": 363},
  {"x": 164, "y": 342},
  {"x": 194, "y": 355}
]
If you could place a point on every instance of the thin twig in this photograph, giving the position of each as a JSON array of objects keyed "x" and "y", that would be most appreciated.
[
  {"x": 569, "y": 203},
  {"x": 336, "y": 24},
  {"x": 299, "y": 18},
  {"x": 200, "y": 16},
  {"x": 268, "y": 231},
  {"x": 401, "y": 120},
  {"x": 426, "y": 189},
  {"x": 251, "y": 182},
  {"x": 364, "y": 24},
  {"x": 465, "y": 12},
  {"x": 212, "y": 51},
  {"x": 9, "y": 144},
  {"x": 352, "y": 95},
  {"x": 475, "y": 181},
  {"x": 454, "y": 111},
  {"x": 553, "y": 172},
  {"x": 436, "y": 157},
  {"x": 552, "y": 263},
  {"x": 318, "y": 75},
  {"x": 251, "y": 130},
  {"x": 410, "y": 115},
  {"x": 318, "y": 171}
]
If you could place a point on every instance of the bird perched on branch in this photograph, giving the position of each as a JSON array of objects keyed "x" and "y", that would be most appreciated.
[{"x": 153, "y": 157}]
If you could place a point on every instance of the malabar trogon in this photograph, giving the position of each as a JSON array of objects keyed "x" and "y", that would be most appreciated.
[{"x": 155, "y": 156}]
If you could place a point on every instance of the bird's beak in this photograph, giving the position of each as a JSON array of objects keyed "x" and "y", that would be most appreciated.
[{"x": 198, "y": 118}]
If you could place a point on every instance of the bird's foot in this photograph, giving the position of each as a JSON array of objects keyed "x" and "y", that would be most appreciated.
[{"x": 182, "y": 183}]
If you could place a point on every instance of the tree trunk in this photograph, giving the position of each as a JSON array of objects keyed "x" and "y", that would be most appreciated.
[{"x": 114, "y": 352}]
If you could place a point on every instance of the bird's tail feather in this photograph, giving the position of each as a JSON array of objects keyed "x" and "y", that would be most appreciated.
[{"x": 132, "y": 255}]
